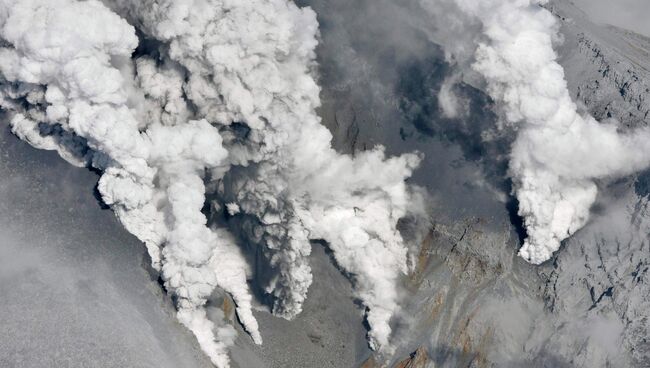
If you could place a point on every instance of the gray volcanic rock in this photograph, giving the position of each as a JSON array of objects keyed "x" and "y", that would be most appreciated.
[{"x": 608, "y": 68}]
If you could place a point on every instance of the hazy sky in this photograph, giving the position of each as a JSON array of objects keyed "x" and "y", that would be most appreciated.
[{"x": 630, "y": 14}]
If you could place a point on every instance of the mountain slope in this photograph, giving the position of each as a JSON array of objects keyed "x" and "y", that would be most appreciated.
[{"x": 471, "y": 301}]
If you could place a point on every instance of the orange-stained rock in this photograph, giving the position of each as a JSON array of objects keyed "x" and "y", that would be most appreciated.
[{"x": 418, "y": 359}]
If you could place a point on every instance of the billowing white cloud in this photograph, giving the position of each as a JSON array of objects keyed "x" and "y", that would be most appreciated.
[
  {"x": 65, "y": 57},
  {"x": 558, "y": 154},
  {"x": 221, "y": 94},
  {"x": 253, "y": 63}
]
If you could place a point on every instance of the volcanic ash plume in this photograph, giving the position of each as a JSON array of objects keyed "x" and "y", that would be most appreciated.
[
  {"x": 217, "y": 99},
  {"x": 250, "y": 69},
  {"x": 62, "y": 61},
  {"x": 558, "y": 153}
]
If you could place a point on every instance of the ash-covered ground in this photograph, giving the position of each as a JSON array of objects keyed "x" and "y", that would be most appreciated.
[{"x": 76, "y": 290}]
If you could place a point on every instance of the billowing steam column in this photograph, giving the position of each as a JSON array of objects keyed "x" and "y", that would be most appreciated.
[
  {"x": 214, "y": 92},
  {"x": 250, "y": 69},
  {"x": 69, "y": 84},
  {"x": 558, "y": 153}
]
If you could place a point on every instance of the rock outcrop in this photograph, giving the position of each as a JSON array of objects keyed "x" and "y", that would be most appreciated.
[{"x": 417, "y": 359}]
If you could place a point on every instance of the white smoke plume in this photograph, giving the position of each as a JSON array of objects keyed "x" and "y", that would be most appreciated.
[
  {"x": 287, "y": 184},
  {"x": 558, "y": 154},
  {"x": 62, "y": 60},
  {"x": 221, "y": 92}
]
